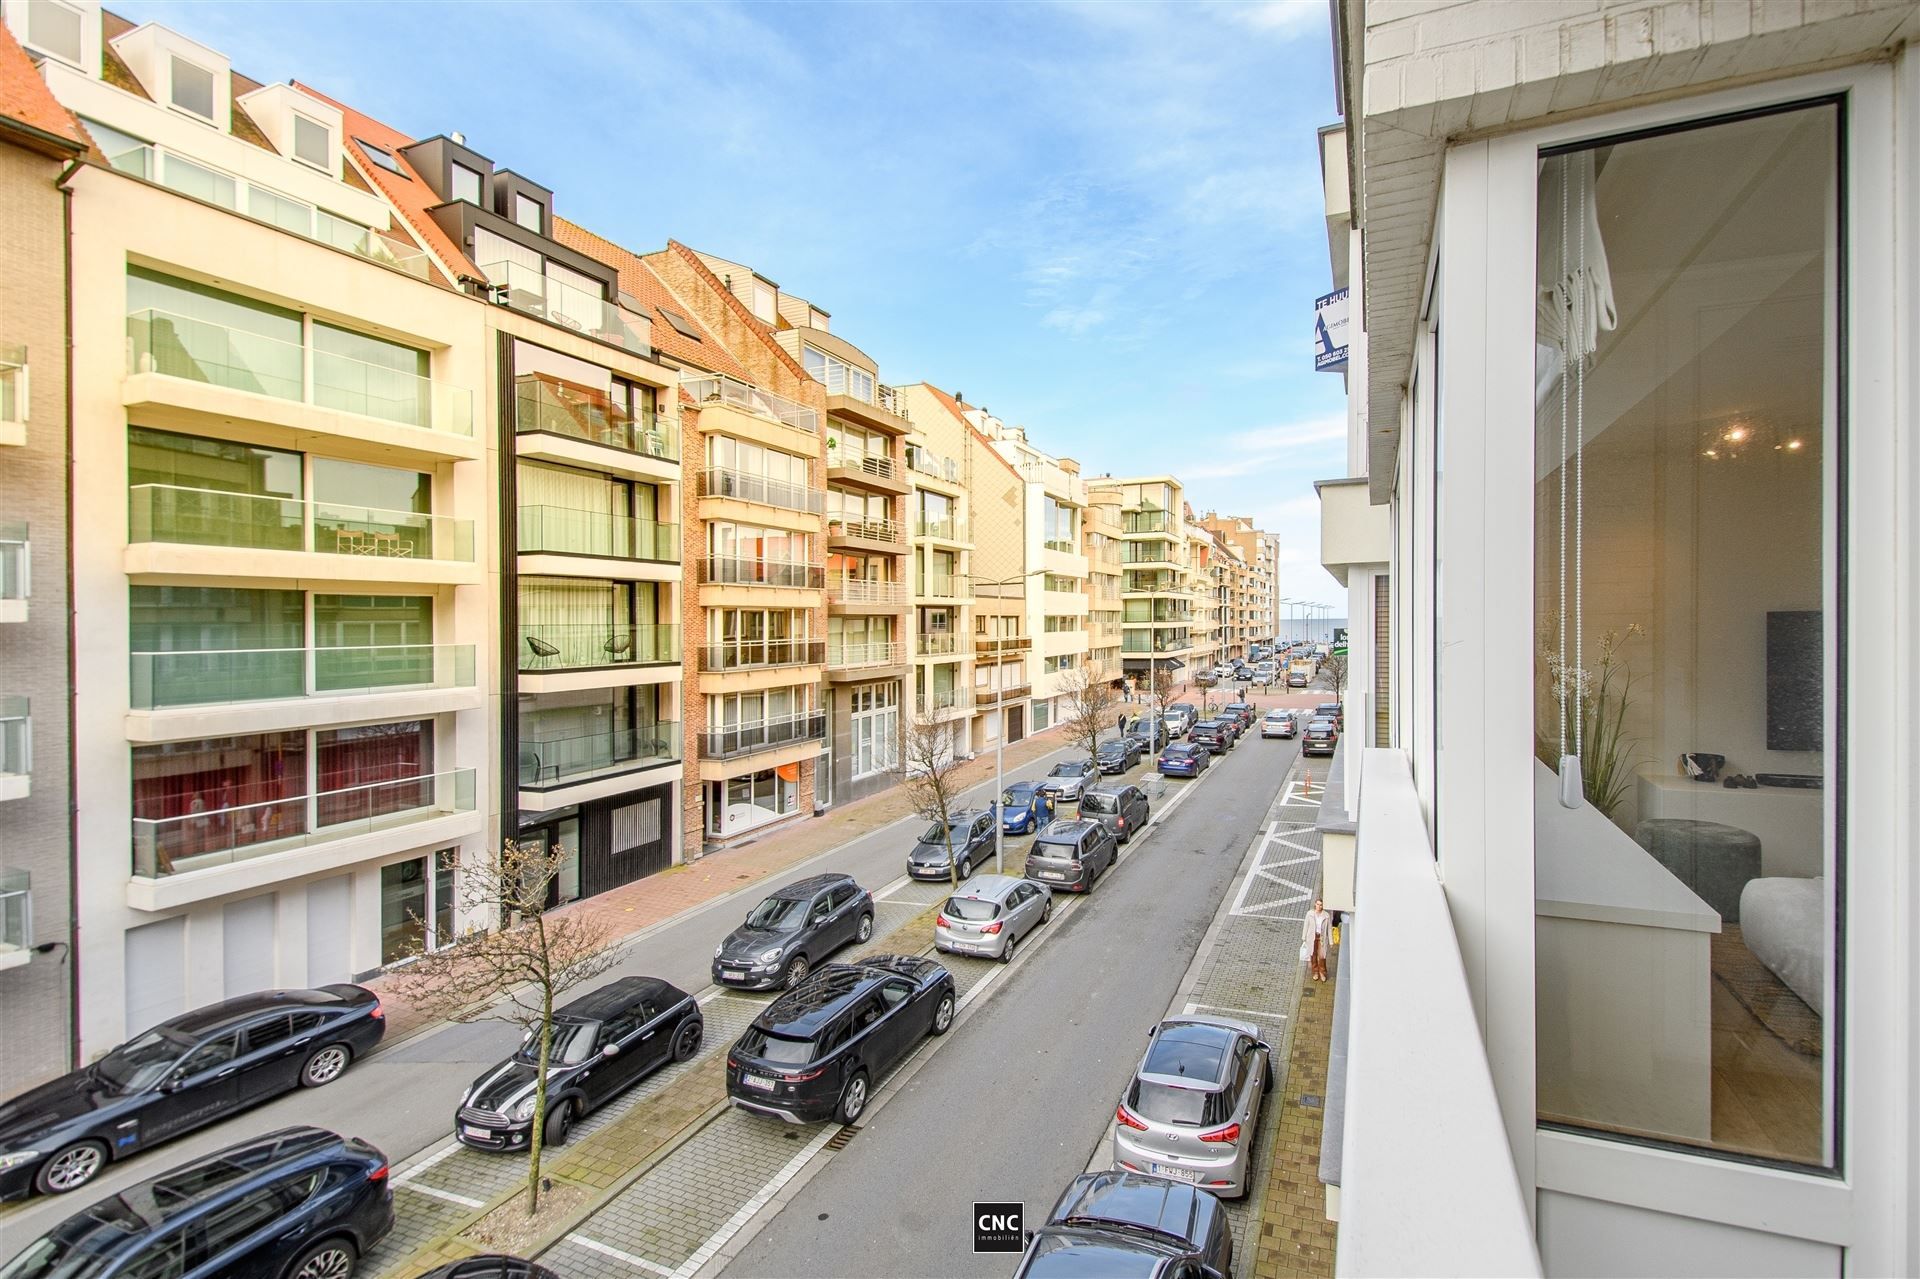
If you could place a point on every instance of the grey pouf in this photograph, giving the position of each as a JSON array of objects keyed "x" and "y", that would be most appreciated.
[{"x": 1712, "y": 859}]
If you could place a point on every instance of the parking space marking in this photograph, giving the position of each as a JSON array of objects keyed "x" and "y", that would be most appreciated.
[
  {"x": 608, "y": 1250},
  {"x": 750, "y": 1209},
  {"x": 402, "y": 1178},
  {"x": 1244, "y": 1012},
  {"x": 422, "y": 1188}
]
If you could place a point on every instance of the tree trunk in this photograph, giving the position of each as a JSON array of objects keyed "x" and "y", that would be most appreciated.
[{"x": 538, "y": 1135}]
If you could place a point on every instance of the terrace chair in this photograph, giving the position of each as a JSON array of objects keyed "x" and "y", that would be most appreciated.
[
  {"x": 541, "y": 649},
  {"x": 618, "y": 646}
]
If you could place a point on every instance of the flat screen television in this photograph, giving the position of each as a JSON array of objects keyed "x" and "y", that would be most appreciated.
[{"x": 1796, "y": 683}]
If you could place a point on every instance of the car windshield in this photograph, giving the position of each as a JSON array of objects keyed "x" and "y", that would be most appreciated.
[
  {"x": 779, "y": 914},
  {"x": 1065, "y": 770},
  {"x": 572, "y": 1043},
  {"x": 1278, "y": 716},
  {"x": 1074, "y": 1256},
  {"x": 1098, "y": 803},
  {"x": 76, "y": 1247},
  {"x": 141, "y": 1062},
  {"x": 1167, "y": 1103},
  {"x": 937, "y": 834},
  {"x": 971, "y": 909},
  {"x": 774, "y": 1048}
]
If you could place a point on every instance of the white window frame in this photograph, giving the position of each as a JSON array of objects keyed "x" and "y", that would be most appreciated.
[
  {"x": 174, "y": 62},
  {"x": 78, "y": 58},
  {"x": 761, "y": 295},
  {"x": 324, "y": 164}
]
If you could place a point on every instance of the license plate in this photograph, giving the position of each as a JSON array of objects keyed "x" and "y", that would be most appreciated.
[
  {"x": 472, "y": 1131},
  {"x": 733, "y": 974},
  {"x": 1053, "y": 874},
  {"x": 757, "y": 1081},
  {"x": 1176, "y": 1172}
]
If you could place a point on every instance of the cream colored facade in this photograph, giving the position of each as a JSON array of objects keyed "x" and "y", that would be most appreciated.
[
  {"x": 1163, "y": 623},
  {"x": 1248, "y": 582}
]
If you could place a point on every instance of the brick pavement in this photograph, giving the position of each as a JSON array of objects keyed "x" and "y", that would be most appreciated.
[{"x": 1295, "y": 1236}]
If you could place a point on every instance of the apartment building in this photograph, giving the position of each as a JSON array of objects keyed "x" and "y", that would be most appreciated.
[
  {"x": 281, "y": 738},
  {"x": 1203, "y": 579},
  {"x": 1157, "y": 589},
  {"x": 1631, "y": 402},
  {"x": 37, "y": 140},
  {"x": 1248, "y": 598},
  {"x": 1100, "y": 528}
]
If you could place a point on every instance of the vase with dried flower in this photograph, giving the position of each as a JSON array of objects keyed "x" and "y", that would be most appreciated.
[{"x": 1592, "y": 704}]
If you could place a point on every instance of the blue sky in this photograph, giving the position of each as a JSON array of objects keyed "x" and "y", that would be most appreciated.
[{"x": 1102, "y": 221}]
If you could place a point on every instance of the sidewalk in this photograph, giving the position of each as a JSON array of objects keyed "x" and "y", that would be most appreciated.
[{"x": 644, "y": 903}]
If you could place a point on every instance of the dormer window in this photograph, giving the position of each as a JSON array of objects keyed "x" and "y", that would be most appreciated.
[
  {"x": 527, "y": 212},
  {"x": 312, "y": 142},
  {"x": 54, "y": 28},
  {"x": 192, "y": 88},
  {"x": 762, "y": 302},
  {"x": 465, "y": 184}
]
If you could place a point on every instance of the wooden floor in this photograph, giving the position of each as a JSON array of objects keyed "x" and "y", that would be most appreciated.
[{"x": 1766, "y": 1096}]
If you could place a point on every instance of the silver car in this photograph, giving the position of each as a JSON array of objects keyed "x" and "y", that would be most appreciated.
[
  {"x": 991, "y": 915},
  {"x": 1190, "y": 1110}
]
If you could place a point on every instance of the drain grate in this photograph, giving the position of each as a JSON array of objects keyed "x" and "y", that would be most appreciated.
[{"x": 840, "y": 1139}]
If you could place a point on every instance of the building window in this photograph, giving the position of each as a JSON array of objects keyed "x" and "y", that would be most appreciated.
[
  {"x": 762, "y": 301},
  {"x": 527, "y": 212},
  {"x": 192, "y": 88},
  {"x": 465, "y": 183},
  {"x": 1067, "y": 585},
  {"x": 1056, "y": 623},
  {"x": 1689, "y": 438},
  {"x": 1059, "y": 527},
  {"x": 742, "y": 803},
  {"x": 874, "y": 726},
  {"x": 54, "y": 28},
  {"x": 312, "y": 142},
  {"x": 839, "y": 377}
]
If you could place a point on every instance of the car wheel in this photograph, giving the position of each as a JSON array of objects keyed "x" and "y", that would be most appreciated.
[
  {"x": 559, "y": 1124},
  {"x": 966, "y": 867},
  {"x": 325, "y": 1065},
  {"x": 797, "y": 970},
  {"x": 328, "y": 1259},
  {"x": 1006, "y": 951},
  {"x": 866, "y": 929},
  {"x": 853, "y": 1100},
  {"x": 687, "y": 1042},
  {"x": 1046, "y": 910},
  {"x": 71, "y": 1168},
  {"x": 943, "y": 1015}
]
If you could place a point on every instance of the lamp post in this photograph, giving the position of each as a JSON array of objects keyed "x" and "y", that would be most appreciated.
[{"x": 1000, "y": 716}]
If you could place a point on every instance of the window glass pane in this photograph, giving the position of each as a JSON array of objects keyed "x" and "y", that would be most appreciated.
[
  {"x": 466, "y": 184},
  {"x": 192, "y": 88},
  {"x": 312, "y": 141},
  {"x": 368, "y": 771},
  {"x": 123, "y": 151},
  {"x": 183, "y": 329},
  {"x": 195, "y": 645},
  {"x": 161, "y": 457},
  {"x": 1686, "y": 431},
  {"x": 372, "y": 641},
  {"x": 526, "y": 211},
  {"x": 202, "y": 183},
  {"x": 196, "y": 803},
  {"x": 53, "y": 27},
  {"x": 361, "y": 373},
  {"x": 403, "y": 910}
]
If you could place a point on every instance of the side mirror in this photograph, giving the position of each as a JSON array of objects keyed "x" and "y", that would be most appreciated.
[
  {"x": 172, "y": 1084},
  {"x": 611, "y": 1050}
]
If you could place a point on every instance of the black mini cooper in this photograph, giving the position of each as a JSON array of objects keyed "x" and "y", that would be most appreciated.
[
  {"x": 604, "y": 1043},
  {"x": 818, "y": 1051}
]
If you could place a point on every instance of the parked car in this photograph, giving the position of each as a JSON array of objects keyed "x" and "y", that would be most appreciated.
[
  {"x": 1205, "y": 679},
  {"x": 183, "y": 1074},
  {"x": 1024, "y": 808},
  {"x": 1242, "y": 711},
  {"x": 817, "y": 1051},
  {"x": 1188, "y": 714},
  {"x": 1190, "y": 1110},
  {"x": 969, "y": 832},
  {"x": 1319, "y": 737},
  {"x": 1128, "y": 1223},
  {"x": 299, "y": 1203},
  {"x": 1278, "y": 724},
  {"x": 1184, "y": 759},
  {"x": 1068, "y": 778},
  {"x": 1119, "y": 806},
  {"x": 1330, "y": 710},
  {"x": 791, "y": 931},
  {"x": 1118, "y": 754},
  {"x": 492, "y": 1266},
  {"x": 1072, "y": 854},
  {"x": 990, "y": 916},
  {"x": 1214, "y": 734},
  {"x": 1297, "y": 679},
  {"x": 604, "y": 1043},
  {"x": 1152, "y": 729}
]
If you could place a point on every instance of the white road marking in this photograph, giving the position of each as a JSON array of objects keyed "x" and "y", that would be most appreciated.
[
  {"x": 617, "y": 1254},
  {"x": 1244, "y": 1012},
  {"x": 422, "y": 1188},
  {"x": 401, "y": 1178},
  {"x": 751, "y": 1208}
]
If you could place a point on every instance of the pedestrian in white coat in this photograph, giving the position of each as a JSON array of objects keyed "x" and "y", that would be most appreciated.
[{"x": 1316, "y": 937}]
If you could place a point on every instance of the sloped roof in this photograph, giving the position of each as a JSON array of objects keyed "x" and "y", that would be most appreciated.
[
  {"x": 692, "y": 258},
  {"x": 959, "y": 412},
  {"x": 638, "y": 281},
  {"x": 29, "y": 113}
]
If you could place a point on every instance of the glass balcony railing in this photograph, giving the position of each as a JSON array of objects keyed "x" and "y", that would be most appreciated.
[
  {"x": 532, "y": 291},
  {"x": 844, "y": 588},
  {"x": 1138, "y": 642},
  {"x": 1150, "y": 553},
  {"x": 924, "y": 460},
  {"x": 950, "y": 529},
  {"x": 714, "y": 388},
  {"x": 731, "y": 740},
  {"x": 744, "y": 655},
  {"x": 1147, "y": 521},
  {"x": 734, "y": 571},
  {"x": 16, "y": 737},
  {"x": 175, "y": 844},
  {"x": 216, "y": 677},
  {"x": 16, "y": 910},
  {"x": 942, "y": 645},
  {"x": 14, "y": 562},
  {"x": 718, "y": 482},
  {"x": 845, "y": 654},
  {"x": 571, "y": 646},
  {"x": 210, "y": 517},
  {"x": 220, "y": 355},
  {"x": 543, "y": 406},
  {"x": 1061, "y": 544},
  {"x": 551, "y": 756},
  {"x": 942, "y": 586},
  {"x": 944, "y": 699},
  {"x": 561, "y": 530}
]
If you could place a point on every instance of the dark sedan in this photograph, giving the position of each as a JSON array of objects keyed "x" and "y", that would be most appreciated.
[
  {"x": 1129, "y": 1223},
  {"x": 953, "y": 851},
  {"x": 181, "y": 1075},
  {"x": 1184, "y": 759},
  {"x": 1242, "y": 711},
  {"x": 817, "y": 1052},
  {"x": 1118, "y": 754},
  {"x": 604, "y": 1043}
]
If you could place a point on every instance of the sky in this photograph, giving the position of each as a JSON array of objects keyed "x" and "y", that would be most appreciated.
[{"x": 1102, "y": 221}]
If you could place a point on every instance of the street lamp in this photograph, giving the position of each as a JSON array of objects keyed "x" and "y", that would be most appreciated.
[{"x": 1000, "y": 715}]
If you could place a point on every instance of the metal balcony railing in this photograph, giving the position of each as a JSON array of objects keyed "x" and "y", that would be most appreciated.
[
  {"x": 562, "y": 530},
  {"x": 550, "y": 758},
  {"x": 218, "y": 677},
  {"x": 714, "y": 388},
  {"x": 732, "y": 740},
  {"x": 736, "y": 571},
  {"x": 866, "y": 530},
  {"x": 881, "y": 468},
  {"x": 893, "y": 400},
  {"x": 1002, "y": 643},
  {"x": 581, "y": 645},
  {"x": 739, "y": 485},
  {"x": 924, "y": 460},
  {"x": 844, "y": 588},
  {"x": 741, "y": 655},
  {"x": 846, "y": 654}
]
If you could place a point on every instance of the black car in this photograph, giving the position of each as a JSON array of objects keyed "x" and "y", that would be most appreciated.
[
  {"x": 1320, "y": 738},
  {"x": 1214, "y": 734},
  {"x": 1071, "y": 854},
  {"x": 604, "y": 1043},
  {"x": 300, "y": 1203},
  {"x": 1118, "y": 754},
  {"x": 183, "y": 1074},
  {"x": 817, "y": 1052},
  {"x": 971, "y": 833},
  {"x": 1154, "y": 730},
  {"x": 1129, "y": 1223},
  {"x": 492, "y": 1266},
  {"x": 791, "y": 931}
]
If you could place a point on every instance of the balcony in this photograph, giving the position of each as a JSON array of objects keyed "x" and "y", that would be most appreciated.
[
  {"x": 14, "y": 395},
  {"x": 846, "y": 590},
  {"x": 735, "y": 740},
  {"x": 264, "y": 204},
  {"x": 533, "y": 292},
  {"x": 941, "y": 586},
  {"x": 985, "y": 697},
  {"x": 164, "y": 846},
  {"x": 996, "y": 647},
  {"x": 542, "y": 407},
  {"x": 741, "y": 487},
  {"x": 713, "y": 388},
  {"x": 736, "y": 571},
  {"x": 1136, "y": 642},
  {"x": 16, "y": 918},
  {"x": 1152, "y": 553},
  {"x": 224, "y": 677},
  {"x": 16, "y": 747},
  {"x": 860, "y": 659},
  {"x": 950, "y": 529},
  {"x": 1139, "y": 523},
  {"x": 747, "y": 655},
  {"x": 869, "y": 474},
  {"x": 922, "y": 460},
  {"x": 560, "y": 530},
  {"x": 1064, "y": 546},
  {"x": 878, "y": 536},
  {"x": 15, "y": 570},
  {"x": 945, "y": 644},
  {"x": 554, "y": 759},
  {"x": 944, "y": 701},
  {"x": 560, "y": 646},
  {"x": 169, "y": 345},
  {"x": 885, "y": 409}
]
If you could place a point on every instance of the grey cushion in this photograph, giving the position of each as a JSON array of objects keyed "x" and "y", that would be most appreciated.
[{"x": 1714, "y": 860}]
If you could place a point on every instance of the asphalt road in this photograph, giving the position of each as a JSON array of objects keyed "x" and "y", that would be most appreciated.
[
  {"x": 402, "y": 1098},
  {"x": 1011, "y": 1106}
]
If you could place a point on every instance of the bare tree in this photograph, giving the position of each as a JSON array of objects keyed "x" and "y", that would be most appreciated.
[
  {"x": 515, "y": 973},
  {"x": 1335, "y": 669},
  {"x": 1089, "y": 703},
  {"x": 929, "y": 771}
]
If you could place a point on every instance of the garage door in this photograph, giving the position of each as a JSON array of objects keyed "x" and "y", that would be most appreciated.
[
  {"x": 156, "y": 959},
  {"x": 249, "y": 945},
  {"x": 328, "y": 920}
]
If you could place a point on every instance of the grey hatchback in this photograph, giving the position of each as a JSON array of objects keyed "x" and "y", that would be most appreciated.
[
  {"x": 1119, "y": 806},
  {"x": 990, "y": 916},
  {"x": 1071, "y": 853},
  {"x": 1190, "y": 1110}
]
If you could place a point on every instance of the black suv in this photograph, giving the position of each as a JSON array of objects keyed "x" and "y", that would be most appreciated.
[
  {"x": 971, "y": 831},
  {"x": 791, "y": 931},
  {"x": 1118, "y": 754},
  {"x": 300, "y": 1203},
  {"x": 1130, "y": 1223},
  {"x": 816, "y": 1052},
  {"x": 1071, "y": 854},
  {"x": 184, "y": 1073},
  {"x": 604, "y": 1043},
  {"x": 1214, "y": 735}
]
